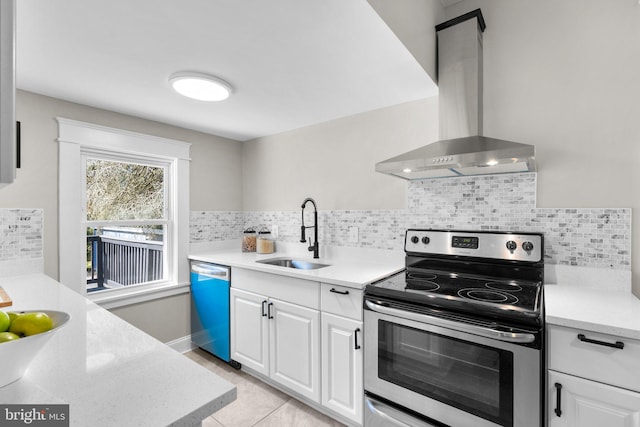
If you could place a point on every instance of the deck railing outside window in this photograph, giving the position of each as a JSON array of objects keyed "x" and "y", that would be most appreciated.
[{"x": 115, "y": 262}]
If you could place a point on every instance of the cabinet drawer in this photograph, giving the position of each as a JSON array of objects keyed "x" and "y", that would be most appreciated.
[
  {"x": 340, "y": 300},
  {"x": 619, "y": 367},
  {"x": 291, "y": 289}
]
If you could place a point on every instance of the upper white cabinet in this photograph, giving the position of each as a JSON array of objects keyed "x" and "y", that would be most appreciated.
[
  {"x": 594, "y": 379},
  {"x": 7, "y": 93}
]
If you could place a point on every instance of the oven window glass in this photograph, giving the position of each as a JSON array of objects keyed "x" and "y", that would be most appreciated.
[{"x": 474, "y": 378}]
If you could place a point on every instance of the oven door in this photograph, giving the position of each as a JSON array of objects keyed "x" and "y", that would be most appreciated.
[{"x": 448, "y": 373}]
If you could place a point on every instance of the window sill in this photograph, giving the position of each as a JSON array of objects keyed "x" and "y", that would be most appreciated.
[{"x": 137, "y": 294}]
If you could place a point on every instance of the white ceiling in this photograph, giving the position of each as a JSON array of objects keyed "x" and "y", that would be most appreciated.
[{"x": 292, "y": 63}]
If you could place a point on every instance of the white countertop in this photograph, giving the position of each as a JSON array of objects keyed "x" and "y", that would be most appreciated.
[
  {"x": 574, "y": 296},
  {"x": 109, "y": 372},
  {"x": 606, "y": 305},
  {"x": 351, "y": 267}
]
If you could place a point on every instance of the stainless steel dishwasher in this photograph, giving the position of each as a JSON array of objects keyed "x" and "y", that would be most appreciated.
[{"x": 210, "y": 309}]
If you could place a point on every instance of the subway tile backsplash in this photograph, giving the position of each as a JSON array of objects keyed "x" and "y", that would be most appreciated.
[
  {"x": 20, "y": 234},
  {"x": 210, "y": 226},
  {"x": 21, "y": 245},
  {"x": 588, "y": 237}
]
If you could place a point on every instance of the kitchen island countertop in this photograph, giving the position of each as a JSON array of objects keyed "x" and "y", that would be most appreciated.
[{"x": 109, "y": 372}]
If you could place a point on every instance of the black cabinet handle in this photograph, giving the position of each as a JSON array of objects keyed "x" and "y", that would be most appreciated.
[
  {"x": 558, "y": 409},
  {"x": 269, "y": 316},
  {"x": 357, "y": 347},
  {"x": 617, "y": 344},
  {"x": 338, "y": 292},
  {"x": 264, "y": 314}
]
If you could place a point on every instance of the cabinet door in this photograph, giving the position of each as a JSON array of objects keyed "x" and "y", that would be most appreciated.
[
  {"x": 295, "y": 348},
  {"x": 585, "y": 403},
  {"x": 342, "y": 376},
  {"x": 249, "y": 330}
]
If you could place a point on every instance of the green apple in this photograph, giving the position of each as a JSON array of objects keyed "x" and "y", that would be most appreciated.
[
  {"x": 5, "y": 320},
  {"x": 8, "y": 336},
  {"x": 26, "y": 324}
]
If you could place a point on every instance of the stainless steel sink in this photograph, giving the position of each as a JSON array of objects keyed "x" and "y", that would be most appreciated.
[{"x": 293, "y": 263}]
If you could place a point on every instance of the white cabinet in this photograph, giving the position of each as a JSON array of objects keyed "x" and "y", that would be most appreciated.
[
  {"x": 294, "y": 342},
  {"x": 7, "y": 93},
  {"x": 342, "y": 352},
  {"x": 249, "y": 330},
  {"x": 342, "y": 358},
  {"x": 576, "y": 402},
  {"x": 594, "y": 379},
  {"x": 279, "y": 339},
  {"x": 303, "y": 335}
]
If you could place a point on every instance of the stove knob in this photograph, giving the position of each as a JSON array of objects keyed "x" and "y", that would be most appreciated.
[
  {"x": 425, "y": 240},
  {"x": 511, "y": 245},
  {"x": 415, "y": 239},
  {"x": 527, "y": 246}
]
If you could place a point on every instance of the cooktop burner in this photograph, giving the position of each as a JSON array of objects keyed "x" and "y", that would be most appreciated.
[
  {"x": 425, "y": 286},
  {"x": 503, "y": 286},
  {"x": 488, "y": 295},
  {"x": 420, "y": 276}
]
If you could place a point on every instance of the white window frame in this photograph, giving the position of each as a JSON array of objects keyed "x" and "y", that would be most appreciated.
[
  {"x": 75, "y": 140},
  {"x": 167, "y": 210}
]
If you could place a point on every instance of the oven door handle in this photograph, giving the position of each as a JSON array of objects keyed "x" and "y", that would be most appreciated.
[{"x": 458, "y": 326}]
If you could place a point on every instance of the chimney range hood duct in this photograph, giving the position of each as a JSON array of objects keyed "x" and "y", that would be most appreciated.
[{"x": 462, "y": 150}]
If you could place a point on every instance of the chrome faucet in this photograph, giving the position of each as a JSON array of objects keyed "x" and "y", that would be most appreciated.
[{"x": 303, "y": 239}]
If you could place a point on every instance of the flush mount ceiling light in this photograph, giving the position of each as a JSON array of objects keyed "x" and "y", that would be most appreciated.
[{"x": 200, "y": 86}]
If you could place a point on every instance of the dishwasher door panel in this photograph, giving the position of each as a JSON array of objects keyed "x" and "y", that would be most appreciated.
[{"x": 210, "y": 308}]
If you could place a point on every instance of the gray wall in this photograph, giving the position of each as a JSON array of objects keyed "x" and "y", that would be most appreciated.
[
  {"x": 216, "y": 184},
  {"x": 333, "y": 162},
  {"x": 561, "y": 75},
  {"x": 166, "y": 319}
]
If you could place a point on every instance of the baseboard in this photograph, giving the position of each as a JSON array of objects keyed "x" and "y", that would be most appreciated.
[{"x": 182, "y": 345}]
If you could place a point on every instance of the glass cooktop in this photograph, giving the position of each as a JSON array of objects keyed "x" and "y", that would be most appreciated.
[{"x": 484, "y": 296}]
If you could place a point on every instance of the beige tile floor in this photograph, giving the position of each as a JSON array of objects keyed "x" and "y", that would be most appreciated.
[{"x": 257, "y": 404}]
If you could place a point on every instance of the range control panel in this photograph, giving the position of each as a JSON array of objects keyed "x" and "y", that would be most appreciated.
[{"x": 506, "y": 246}]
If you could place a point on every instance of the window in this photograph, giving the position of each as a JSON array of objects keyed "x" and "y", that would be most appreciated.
[
  {"x": 127, "y": 194},
  {"x": 127, "y": 214}
]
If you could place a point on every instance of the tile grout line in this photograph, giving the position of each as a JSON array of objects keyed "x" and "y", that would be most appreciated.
[{"x": 270, "y": 413}]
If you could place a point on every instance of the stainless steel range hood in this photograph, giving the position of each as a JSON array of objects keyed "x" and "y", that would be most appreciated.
[{"x": 462, "y": 150}]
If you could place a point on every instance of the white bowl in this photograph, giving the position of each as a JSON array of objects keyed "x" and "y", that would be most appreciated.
[{"x": 15, "y": 356}]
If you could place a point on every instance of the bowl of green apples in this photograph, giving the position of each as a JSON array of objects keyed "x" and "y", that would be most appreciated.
[{"x": 22, "y": 335}]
